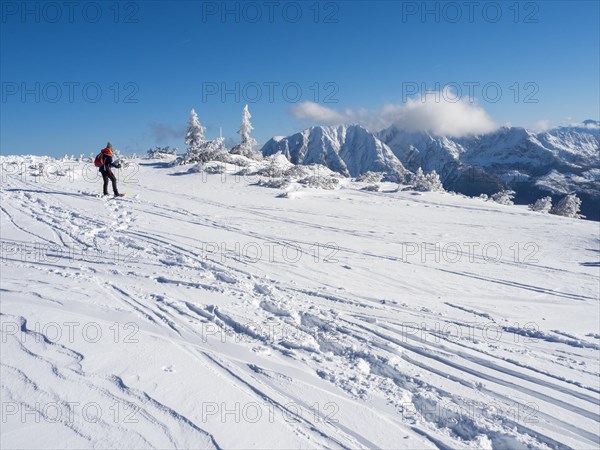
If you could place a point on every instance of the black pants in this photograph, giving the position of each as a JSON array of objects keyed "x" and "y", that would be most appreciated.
[{"x": 105, "y": 177}]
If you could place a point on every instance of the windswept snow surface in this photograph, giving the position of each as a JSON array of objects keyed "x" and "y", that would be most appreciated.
[{"x": 206, "y": 311}]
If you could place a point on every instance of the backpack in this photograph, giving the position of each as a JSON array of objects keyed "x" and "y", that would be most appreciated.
[{"x": 99, "y": 161}]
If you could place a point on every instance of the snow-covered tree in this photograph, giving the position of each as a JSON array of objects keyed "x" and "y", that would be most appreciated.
[
  {"x": 543, "y": 205},
  {"x": 568, "y": 207},
  {"x": 418, "y": 179},
  {"x": 370, "y": 177},
  {"x": 503, "y": 197},
  {"x": 117, "y": 155},
  {"x": 207, "y": 151},
  {"x": 199, "y": 149},
  {"x": 434, "y": 182},
  {"x": 161, "y": 152},
  {"x": 194, "y": 135},
  {"x": 429, "y": 182},
  {"x": 246, "y": 127},
  {"x": 246, "y": 146}
]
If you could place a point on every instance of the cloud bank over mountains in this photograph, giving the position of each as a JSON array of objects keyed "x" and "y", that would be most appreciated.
[{"x": 434, "y": 113}]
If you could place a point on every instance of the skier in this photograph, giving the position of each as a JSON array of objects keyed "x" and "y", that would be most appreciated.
[{"x": 104, "y": 161}]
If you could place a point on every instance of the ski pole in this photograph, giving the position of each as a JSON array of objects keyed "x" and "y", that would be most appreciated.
[{"x": 124, "y": 181}]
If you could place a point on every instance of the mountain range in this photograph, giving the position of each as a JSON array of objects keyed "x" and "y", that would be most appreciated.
[
  {"x": 349, "y": 150},
  {"x": 533, "y": 164}
]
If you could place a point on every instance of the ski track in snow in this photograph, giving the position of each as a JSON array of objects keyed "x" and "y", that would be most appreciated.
[{"x": 283, "y": 334}]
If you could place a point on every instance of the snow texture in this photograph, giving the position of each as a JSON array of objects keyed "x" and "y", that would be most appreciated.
[{"x": 205, "y": 311}]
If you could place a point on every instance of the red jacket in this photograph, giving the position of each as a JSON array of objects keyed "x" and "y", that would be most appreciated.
[{"x": 107, "y": 160}]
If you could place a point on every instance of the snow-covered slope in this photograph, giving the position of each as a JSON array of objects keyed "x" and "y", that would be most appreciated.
[
  {"x": 349, "y": 150},
  {"x": 205, "y": 311}
]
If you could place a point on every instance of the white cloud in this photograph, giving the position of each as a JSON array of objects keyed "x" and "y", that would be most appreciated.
[
  {"x": 441, "y": 114},
  {"x": 593, "y": 125},
  {"x": 315, "y": 112},
  {"x": 542, "y": 125}
]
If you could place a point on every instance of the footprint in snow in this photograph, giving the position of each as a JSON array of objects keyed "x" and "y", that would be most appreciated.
[
  {"x": 169, "y": 369},
  {"x": 263, "y": 289},
  {"x": 225, "y": 278}
]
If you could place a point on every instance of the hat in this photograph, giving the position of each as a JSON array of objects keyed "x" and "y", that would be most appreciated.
[{"x": 108, "y": 145}]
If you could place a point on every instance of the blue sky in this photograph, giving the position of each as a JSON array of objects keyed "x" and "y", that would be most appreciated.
[{"x": 130, "y": 73}]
